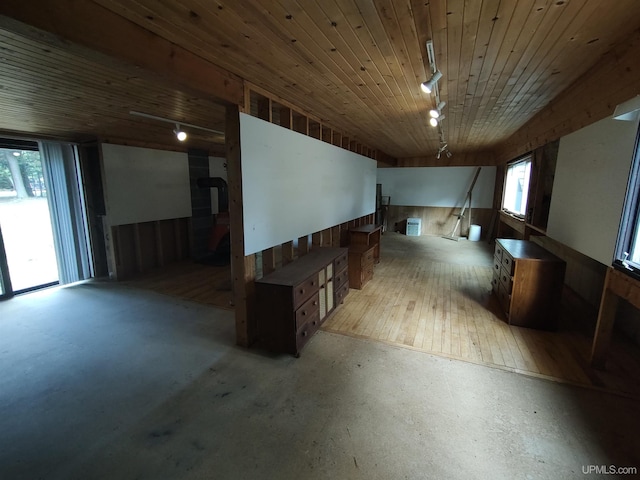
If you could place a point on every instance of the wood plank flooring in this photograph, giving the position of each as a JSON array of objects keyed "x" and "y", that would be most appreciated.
[
  {"x": 434, "y": 295},
  {"x": 189, "y": 280}
]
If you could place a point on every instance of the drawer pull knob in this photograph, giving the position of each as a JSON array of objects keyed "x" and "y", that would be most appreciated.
[
  {"x": 304, "y": 313},
  {"x": 304, "y": 334},
  {"x": 315, "y": 303},
  {"x": 314, "y": 322}
]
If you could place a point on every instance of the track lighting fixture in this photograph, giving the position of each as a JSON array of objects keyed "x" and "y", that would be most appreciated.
[
  {"x": 180, "y": 134},
  {"x": 430, "y": 84},
  {"x": 435, "y": 114}
]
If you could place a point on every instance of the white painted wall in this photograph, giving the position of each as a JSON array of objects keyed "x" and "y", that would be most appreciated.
[
  {"x": 589, "y": 187},
  {"x": 293, "y": 185},
  {"x": 143, "y": 185},
  {"x": 437, "y": 186},
  {"x": 216, "y": 169}
]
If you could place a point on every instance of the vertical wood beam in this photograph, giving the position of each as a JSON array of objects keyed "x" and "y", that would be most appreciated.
[
  {"x": 268, "y": 261},
  {"x": 316, "y": 239},
  {"x": 242, "y": 267},
  {"x": 303, "y": 245},
  {"x": 287, "y": 253},
  {"x": 264, "y": 109},
  {"x": 286, "y": 117}
]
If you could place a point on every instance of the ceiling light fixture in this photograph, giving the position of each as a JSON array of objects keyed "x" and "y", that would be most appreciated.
[
  {"x": 180, "y": 134},
  {"x": 430, "y": 85}
]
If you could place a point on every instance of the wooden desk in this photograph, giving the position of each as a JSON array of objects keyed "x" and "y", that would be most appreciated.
[
  {"x": 617, "y": 285},
  {"x": 369, "y": 236}
]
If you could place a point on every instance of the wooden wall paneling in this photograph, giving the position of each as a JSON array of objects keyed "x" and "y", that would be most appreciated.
[
  {"x": 268, "y": 261},
  {"x": 337, "y": 139},
  {"x": 264, "y": 109},
  {"x": 327, "y": 134},
  {"x": 326, "y": 237},
  {"x": 146, "y": 247},
  {"x": 287, "y": 253},
  {"x": 124, "y": 238},
  {"x": 285, "y": 116},
  {"x": 137, "y": 247},
  {"x": 162, "y": 247},
  {"x": 242, "y": 267},
  {"x": 316, "y": 239},
  {"x": 335, "y": 236},
  {"x": 300, "y": 123},
  {"x": 314, "y": 129},
  {"x": 344, "y": 234},
  {"x": 439, "y": 220},
  {"x": 303, "y": 246},
  {"x": 345, "y": 142}
]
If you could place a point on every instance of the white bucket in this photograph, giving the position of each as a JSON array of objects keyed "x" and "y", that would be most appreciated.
[{"x": 474, "y": 233}]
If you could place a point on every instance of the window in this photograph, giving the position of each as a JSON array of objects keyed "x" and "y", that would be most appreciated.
[
  {"x": 516, "y": 187},
  {"x": 627, "y": 254}
]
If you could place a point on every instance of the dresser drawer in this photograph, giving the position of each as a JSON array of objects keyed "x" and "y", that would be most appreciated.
[
  {"x": 495, "y": 281},
  {"x": 306, "y": 331},
  {"x": 341, "y": 262},
  {"x": 341, "y": 278},
  {"x": 498, "y": 253},
  {"x": 341, "y": 293},
  {"x": 304, "y": 290},
  {"x": 368, "y": 258},
  {"x": 497, "y": 266},
  {"x": 506, "y": 280},
  {"x": 507, "y": 263},
  {"x": 308, "y": 309},
  {"x": 504, "y": 298}
]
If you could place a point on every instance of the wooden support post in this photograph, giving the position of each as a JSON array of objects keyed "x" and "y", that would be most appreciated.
[
  {"x": 287, "y": 253},
  {"x": 242, "y": 267}
]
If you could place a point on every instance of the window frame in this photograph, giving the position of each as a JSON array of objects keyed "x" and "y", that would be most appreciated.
[
  {"x": 523, "y": 159},
  {"x": 630, "y": 219}
]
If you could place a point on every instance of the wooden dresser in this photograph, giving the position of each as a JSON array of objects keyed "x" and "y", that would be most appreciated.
[
  {"x": 361, "y": 259},
  {"x": 292, "y": 303},
  {"x": 528, "y": 281},
  {"x": 367, "y": 235}
]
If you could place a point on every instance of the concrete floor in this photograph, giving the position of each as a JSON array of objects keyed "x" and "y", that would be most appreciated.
[{"x": 101, "y": 381}]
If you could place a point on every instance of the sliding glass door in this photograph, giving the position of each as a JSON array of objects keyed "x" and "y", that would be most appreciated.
[{"x": 25, "y": 221}]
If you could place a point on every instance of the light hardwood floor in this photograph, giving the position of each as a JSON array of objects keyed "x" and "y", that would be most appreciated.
[{"x": 434, "y": 295}]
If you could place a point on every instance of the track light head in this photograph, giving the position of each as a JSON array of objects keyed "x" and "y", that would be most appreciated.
[
  {"x": 433, "y": 122},
  {"x": 428, "y": 86},
  {"x": 181, "y": 135}
]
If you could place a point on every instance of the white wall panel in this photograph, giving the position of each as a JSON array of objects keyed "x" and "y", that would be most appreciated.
[
  {"x": 143, "y": 185},
  {"x": 437, "y": 186},
  {"x": 293, "y": 185}
]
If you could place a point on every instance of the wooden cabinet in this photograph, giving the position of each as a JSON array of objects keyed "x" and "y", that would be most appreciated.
[
  {"x": 528, "y": 281},
  {"x": 361, "y": 259},
  {"x": 367, "y": 235},
  {"x": 293, "y": 302}
]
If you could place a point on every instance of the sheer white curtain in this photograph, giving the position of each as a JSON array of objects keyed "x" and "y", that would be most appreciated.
[{"x": 67, "y": 213}]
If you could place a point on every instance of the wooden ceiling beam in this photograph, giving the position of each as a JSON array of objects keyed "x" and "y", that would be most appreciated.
[{"x": 97, "y": 28}]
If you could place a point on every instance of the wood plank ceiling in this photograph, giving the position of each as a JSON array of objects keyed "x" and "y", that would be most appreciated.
[{"x": 355, "y": 64}]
